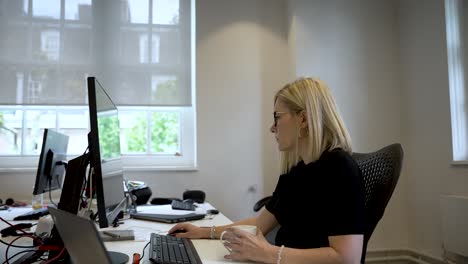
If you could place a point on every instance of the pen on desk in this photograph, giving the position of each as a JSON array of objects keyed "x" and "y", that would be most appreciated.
[{"x": 111, "y": 234}]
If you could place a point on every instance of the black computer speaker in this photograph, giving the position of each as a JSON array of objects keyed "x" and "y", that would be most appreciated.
[
  {"x": 195, "y": 195},
  {"x": 142, "y": 195}
]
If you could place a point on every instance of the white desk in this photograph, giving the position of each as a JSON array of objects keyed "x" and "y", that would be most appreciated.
[{"x": 210, "y": 251}]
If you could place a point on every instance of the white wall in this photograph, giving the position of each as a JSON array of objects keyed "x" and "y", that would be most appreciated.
[
  {"x": 427, "y": 122},
  {"x": 242, "y": 59},
  {"x": 352, "y": 46}
]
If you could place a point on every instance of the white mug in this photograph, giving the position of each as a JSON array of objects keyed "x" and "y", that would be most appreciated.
[{"x": 251, "y": 229}]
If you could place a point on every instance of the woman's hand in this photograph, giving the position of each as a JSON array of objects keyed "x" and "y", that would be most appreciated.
[
  {"x": 244, "y": 246},
  {"x": 188, "y": 231}
]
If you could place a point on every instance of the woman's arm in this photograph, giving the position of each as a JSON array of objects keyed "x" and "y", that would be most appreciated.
[
  {"x": 343, "y": 249},
  {"x": 265, "y": 221}
]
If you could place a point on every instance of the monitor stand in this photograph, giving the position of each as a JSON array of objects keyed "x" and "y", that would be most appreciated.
[{"x": 117, "y": 257}]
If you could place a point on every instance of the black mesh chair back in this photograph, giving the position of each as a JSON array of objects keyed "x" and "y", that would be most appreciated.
[{"x": 380, "y": 170}]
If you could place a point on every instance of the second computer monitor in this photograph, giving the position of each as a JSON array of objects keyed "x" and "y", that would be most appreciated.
[
  {"x": 52, "y": 162},
  {"x": 105, "y": 157}
]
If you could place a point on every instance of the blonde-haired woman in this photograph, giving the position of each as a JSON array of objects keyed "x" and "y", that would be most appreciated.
[{"x": 319, "y": 198}]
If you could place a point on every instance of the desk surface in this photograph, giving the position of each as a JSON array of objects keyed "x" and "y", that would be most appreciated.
[{"x": 210, "y": 251}]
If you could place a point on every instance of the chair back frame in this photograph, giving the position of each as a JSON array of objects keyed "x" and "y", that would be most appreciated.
[{"x": 380, "y": 170}]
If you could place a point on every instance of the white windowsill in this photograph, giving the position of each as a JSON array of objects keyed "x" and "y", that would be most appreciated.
[
  {"x": 161, "y": 168},
  {"x": 459, "y": 163},
  {"x": 126, "y": 169}
]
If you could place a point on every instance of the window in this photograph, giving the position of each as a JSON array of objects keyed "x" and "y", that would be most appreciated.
[
  {"x": 457, "y": 36},
  {"x": 142, "y": 51}
]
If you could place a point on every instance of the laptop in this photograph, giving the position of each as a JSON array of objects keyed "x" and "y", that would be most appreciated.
[
  {"x": 167, "y": 218},
  {"x": 82, "y": 239}
]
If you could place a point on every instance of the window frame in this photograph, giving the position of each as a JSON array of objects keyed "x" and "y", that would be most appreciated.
[
  {"x": 457, "y": 82},
  {"x": 184, "y": 160}
]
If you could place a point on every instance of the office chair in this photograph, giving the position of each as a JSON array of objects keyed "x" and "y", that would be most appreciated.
[{"x": 380, "y": 170}]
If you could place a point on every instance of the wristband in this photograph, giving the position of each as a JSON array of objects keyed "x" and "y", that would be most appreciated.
[
  {"x": 278, "y": 261},
  {"x": 212, "y": 232}
]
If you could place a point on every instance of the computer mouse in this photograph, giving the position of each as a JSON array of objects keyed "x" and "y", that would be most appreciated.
[{"x": 178, "y": 231}]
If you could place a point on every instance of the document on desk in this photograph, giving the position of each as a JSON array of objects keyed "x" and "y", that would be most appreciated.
[{"x": 13, "y": 212}]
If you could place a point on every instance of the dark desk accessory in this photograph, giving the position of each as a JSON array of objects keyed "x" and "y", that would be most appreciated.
[
  {"x": 3, "y": 206},
  {"x": 162, "y": 200},
  {"x": 13, "y": 230},
  {"x": 32, "y": 215},
  {"x": 183, "y": 205},
  {"x": 140, "y": 192},
  {"x": 14, "y": 203},
  {"x": 196, "y": 195},
  {"x": 212, "y": 212},
  {"x": 9, "y": 201}
]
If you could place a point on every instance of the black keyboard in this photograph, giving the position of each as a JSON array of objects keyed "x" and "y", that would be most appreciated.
[
  {"x": 32, "y": 215},
  {"x": 180, "y": 205},
  {"x": 169, "y": 249}
]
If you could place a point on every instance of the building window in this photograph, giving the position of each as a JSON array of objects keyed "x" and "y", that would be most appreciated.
[{"x": 140, "y": 50}]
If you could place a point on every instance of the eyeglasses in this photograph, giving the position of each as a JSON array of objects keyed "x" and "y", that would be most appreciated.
[{"x": 276, "y": 116}]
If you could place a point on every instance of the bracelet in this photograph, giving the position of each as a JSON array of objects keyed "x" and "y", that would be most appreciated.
[
  {"x": 278, "y": 261},
  {"x": 212, "y": 232}
]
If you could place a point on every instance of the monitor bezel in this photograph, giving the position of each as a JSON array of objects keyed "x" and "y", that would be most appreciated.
[
  {"x": 107, "y": 214},
  {"x": 53, "y": 150}
]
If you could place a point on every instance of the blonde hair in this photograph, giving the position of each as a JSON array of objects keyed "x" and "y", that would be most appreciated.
[{"x": 326, "y": 129}]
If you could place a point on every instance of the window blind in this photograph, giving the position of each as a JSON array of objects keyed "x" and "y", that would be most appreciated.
[{"x": 140, "y": 51}]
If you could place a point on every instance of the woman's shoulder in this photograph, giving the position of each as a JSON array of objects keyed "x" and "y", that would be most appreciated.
[
  {"x": 339, "y": 158},
  {"x": 336, "y": 155}
]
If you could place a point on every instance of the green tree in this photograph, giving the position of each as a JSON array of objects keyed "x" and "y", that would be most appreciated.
[
  {"x": 2, "y": 120},
  {"x": 165, "y": 132},
  {"x": 109, "y": 138},
  {"x": 136, "y": 136}
]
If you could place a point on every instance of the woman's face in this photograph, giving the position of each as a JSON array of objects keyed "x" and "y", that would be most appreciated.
[{"x": 284, "y": 127}]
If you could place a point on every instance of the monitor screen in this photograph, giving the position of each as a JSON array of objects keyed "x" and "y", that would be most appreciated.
[
  {"x": 105, "y": 158},
  {"x": 52, "y": 162}
]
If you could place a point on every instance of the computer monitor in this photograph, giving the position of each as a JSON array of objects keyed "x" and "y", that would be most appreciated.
[
  {"x": 105, "y": 180},
  {"x": 105, "y": 159},
  {"x": 52, "y": 162}
]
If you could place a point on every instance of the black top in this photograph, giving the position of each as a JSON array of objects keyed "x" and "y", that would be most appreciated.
[{"x": 317, "y": 200}]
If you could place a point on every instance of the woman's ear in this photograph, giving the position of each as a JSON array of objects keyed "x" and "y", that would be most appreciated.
[{"x": 303, "y": 119}]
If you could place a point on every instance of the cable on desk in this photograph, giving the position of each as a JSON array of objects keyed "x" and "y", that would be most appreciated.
[
  {"x": 7, "y": 244},
  {"x": 50, "y": 191},
  {"x": 38, "y": 240},
  {"x": 11, "y": 244},
  {"x": 56, "y": 257},
  {"x": 35, "y": 238},
  {"x": 143, "y": 254},
  {"x": 21, "y": 252}
]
